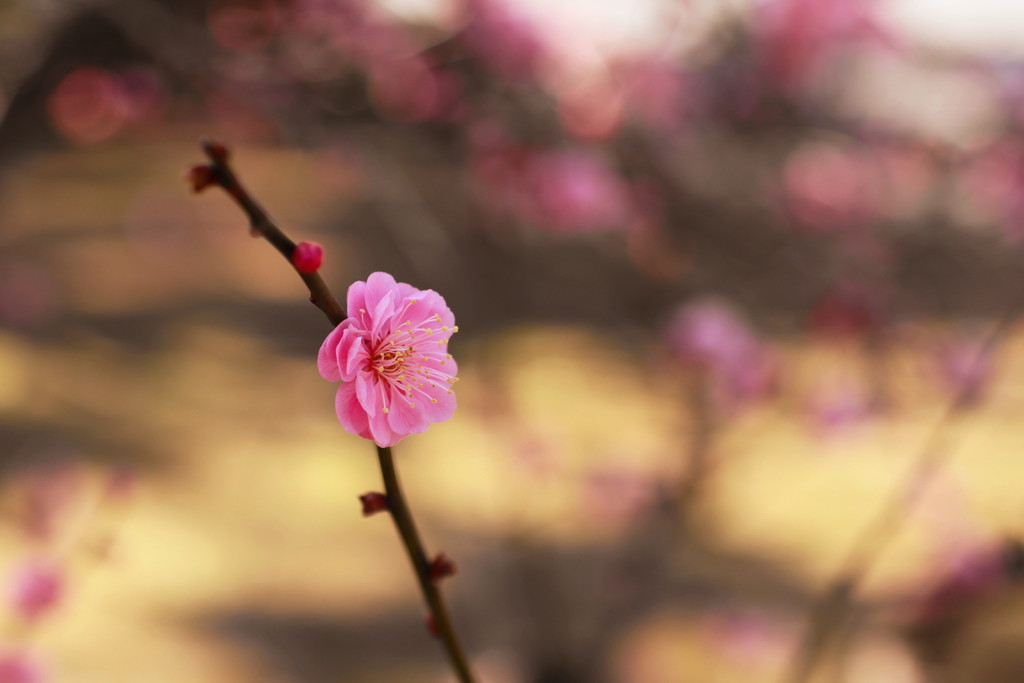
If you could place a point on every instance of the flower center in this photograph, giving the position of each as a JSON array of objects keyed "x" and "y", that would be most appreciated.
[
  {"x": 391, "y": 360},
  {"x": 405, "y": 363}
]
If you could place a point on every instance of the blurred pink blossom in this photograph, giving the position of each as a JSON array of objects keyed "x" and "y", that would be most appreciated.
[
  {"x": 16, "y": 667},
  {"x": 46, "y": 494},
  {"x": 747, "y": 637},
  {"x": 35, "y": 588},
  {"x": 574, "y": 191},
  {"x": 711, "y": 333},
  {"x": 120, "y": 484},
  {"x": 88, "y": 106},
  {"x": 836, "y": 408},
  {"x": 509, "y": 43},
  {"x": 244, "y": 25},
  {"x": 496, "y": 164},
  {"x": 656, "y": 93},
  {"x": 965, "y": 368},
  {"x": 390, "y": 355},
  {"x": 996, "y": 179},
  {"x": 794, "y": 38},
  {"x": 592, "y": 109},
  {"x": 618, "y": 493},
  {"x": 827, "y": 187},
  {"x": 712, "y": 337},
  {"x": 971, "y": 579},
  {"x": 409, "y": 89}
]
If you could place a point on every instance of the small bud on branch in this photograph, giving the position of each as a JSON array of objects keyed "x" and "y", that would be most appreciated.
[
  {"x": 216, "y": 150},
  {"x": 201, "y": 177},
  {"x": 373, "y": 503},
  {"x": 307, "y": 257},
  {"x": 441, "y": 567}
]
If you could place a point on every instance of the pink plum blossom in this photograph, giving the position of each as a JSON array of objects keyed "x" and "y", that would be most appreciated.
[
  {"x": 656, "y": 93},
  {"x": 965, "y": 367},
  {"x": 575, "y": 191},
  {"x": 995, "y": 180},
  {"x": 712, "y": 337},
  {"x": 749, "y": 638},
  {"x": 836, "y": 408},
  {"x": 616, "y": 493},
  {"x": 828, "y": 187},
  {"x": 509, "y": 43},
  {"x": 795, "y": 37},
  {"x": 392, "y": 359},
  {"x": 18, "y": 668},
  {"x": 711, "y": 333},
  {"x": 35, "y": 588}
]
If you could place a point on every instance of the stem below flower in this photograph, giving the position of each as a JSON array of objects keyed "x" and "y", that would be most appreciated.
[{"x": 406, "y": 526}]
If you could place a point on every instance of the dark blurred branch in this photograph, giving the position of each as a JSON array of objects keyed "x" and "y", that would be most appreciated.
[
  {"x": 830, "y": 610},
  {"x": 219, "y": 173}
]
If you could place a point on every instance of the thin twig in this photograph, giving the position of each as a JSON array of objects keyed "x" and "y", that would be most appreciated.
[
  {"x": 828, "y": 611},
  {"x": 262, "y": 226},
  {"x": 406, "y": 526},
  {"x": 321, "y": 296}
]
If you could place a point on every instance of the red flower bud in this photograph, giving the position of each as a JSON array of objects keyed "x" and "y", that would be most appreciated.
[
  {"x": 217, "y": 150},
  {"x": 441, "y": 567},
  {"x": 307, "y": 257},
  {"x": 373, "y": 503},
  {"x": 201, "y": 177}
]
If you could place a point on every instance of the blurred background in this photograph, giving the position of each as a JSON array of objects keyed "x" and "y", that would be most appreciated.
[{"x": 737, "y": 284}]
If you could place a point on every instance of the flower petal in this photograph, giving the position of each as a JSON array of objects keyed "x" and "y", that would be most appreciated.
[
  {"x": 327, "y": 358},
  {"x": 368, "y": 395},
  {"x": 382, "y": 316},
  {"x": 378, "y": 285},
  {"x": 381, "y": 431},
  {"x": 356, "y": 300},
  {"x": 407, "y": 414},
  {"x": 445, "y": 403},
  {"x": 354, "y": 356},
  {"x": 350, "y": 414}
]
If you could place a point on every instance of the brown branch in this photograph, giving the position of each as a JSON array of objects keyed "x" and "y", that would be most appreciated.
[
  {"x": 219, "y": 173},
  {"x": 262, "y": 226},
  {"x": 402, "y": 516}
]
